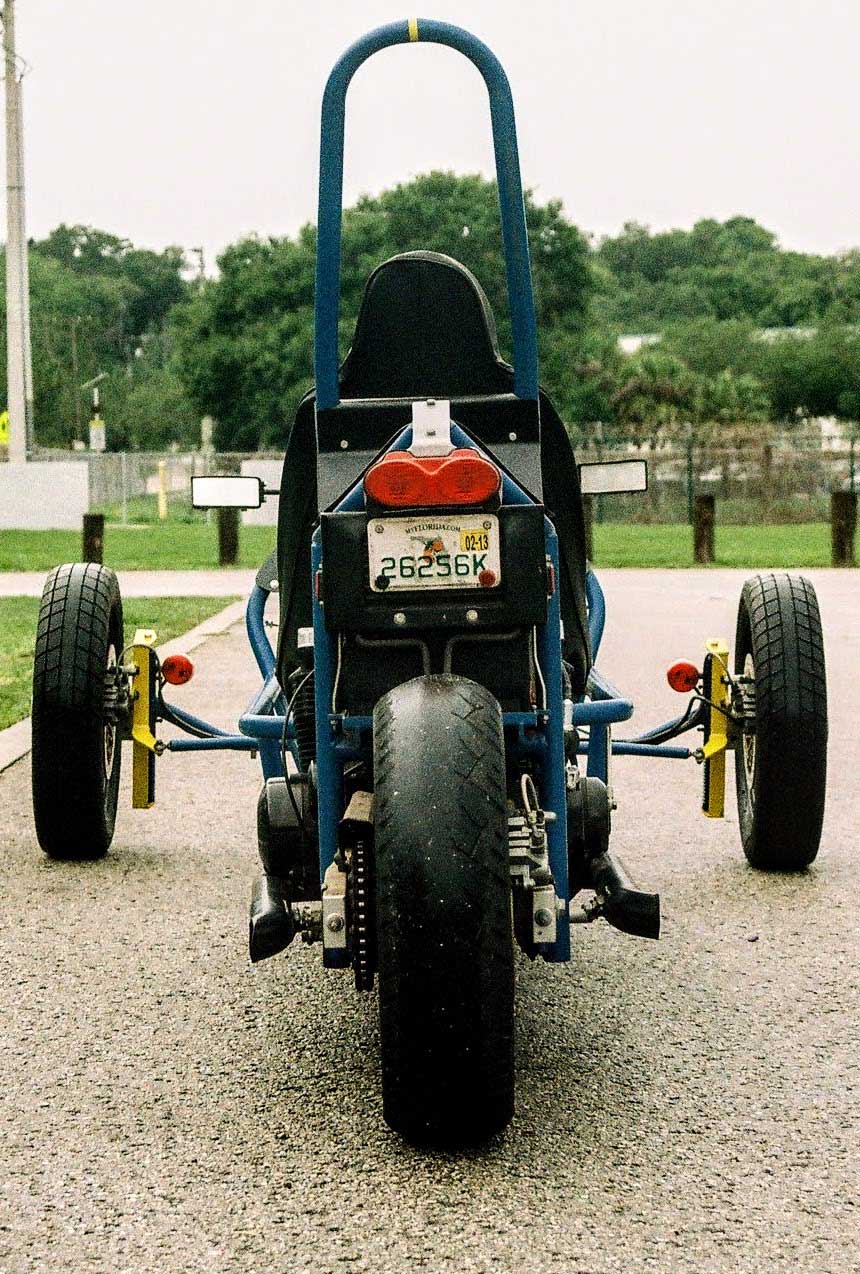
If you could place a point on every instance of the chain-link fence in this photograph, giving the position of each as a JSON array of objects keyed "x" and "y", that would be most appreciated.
[
  {"x": 126, "y": 485},
  {"x": 786, "y": 478},
  {"x": 780, "y": 480}
]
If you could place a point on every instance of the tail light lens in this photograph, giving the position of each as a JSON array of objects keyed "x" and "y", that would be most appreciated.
[{"x": 402, "y": 481}]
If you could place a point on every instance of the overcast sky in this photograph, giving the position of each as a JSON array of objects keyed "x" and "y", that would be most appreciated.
[{"x": 196, "y": 121}]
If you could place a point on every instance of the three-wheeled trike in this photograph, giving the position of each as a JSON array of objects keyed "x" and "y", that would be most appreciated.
[{"x": 434, "y": 735}]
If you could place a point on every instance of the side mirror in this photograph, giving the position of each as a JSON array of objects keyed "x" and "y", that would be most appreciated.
[
  {"x": 611, "y": 477},
  {"x": 232, "y": 492}
]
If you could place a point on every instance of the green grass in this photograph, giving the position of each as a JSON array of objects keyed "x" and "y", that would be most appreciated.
[
  {"x": 194, "y": 546},
  {"x": 157, "y": 546},
  {"x": 786, "y": 547},
  {"x": 169, "y": 616}
]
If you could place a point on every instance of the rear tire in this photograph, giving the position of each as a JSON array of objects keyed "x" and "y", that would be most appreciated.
[
  {"x": 445, "y": 942},
  {"x": 76, "y": 739},
  {"x": 781, "y": 766}
]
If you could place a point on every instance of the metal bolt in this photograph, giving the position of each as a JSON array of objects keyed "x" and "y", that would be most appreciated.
[
  {"x": 335, "y": 923},
  {"x": 543, "y": 917},
  {"x": 487, "y": 525},
  {"x": 379, "y": 528},
  {"x": 399, "y": 617},
  {"x": 512, "y": 436},
  {"x": 343, "y": 444},
  {"x": 472, "y": 616}
]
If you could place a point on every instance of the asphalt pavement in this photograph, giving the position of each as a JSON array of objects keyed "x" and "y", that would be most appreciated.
[{"x": 687, "y": 1105}]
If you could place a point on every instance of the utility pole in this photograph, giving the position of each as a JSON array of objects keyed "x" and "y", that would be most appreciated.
[
  {"x": 25, "y": 277},
  {"x": 18, "y": 361}
]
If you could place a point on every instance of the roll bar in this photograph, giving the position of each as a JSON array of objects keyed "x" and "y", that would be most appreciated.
[{"x": 514, "y": 237}]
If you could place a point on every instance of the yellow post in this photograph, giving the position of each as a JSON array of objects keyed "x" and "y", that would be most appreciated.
[{"x": 162, "y": 490}]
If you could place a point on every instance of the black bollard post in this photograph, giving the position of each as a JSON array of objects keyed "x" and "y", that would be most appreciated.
[
  {"x": 704, "y": 518},
  {"x": 228, "y": 537},
  {"x": 93, "y": 537},
  {"x": 843, "y": 527}
]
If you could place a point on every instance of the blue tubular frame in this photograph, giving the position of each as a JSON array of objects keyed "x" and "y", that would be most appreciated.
[
  {"x": 263, "y": 723},
  {"x": 606, "y": 705},
  {"x": 512, "y": 209},
  {"x": 265, "y": 726},
  {"x": 341, "y": 738}
]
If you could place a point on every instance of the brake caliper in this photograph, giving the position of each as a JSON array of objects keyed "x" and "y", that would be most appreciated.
[{"x": 528, "y": 852}]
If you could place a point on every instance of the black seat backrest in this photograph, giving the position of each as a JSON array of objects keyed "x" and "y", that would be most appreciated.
[{"x": 425, "y": 330}]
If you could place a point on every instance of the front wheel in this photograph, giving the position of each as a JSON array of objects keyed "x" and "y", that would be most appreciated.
[
  {"x": 76, "y": 709},
  {"x": 781, "y": 758},
  {"x": 445, "y": 941}
]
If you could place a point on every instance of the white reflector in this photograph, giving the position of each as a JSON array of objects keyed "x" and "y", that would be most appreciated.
[{"x": 613, "y": 476}]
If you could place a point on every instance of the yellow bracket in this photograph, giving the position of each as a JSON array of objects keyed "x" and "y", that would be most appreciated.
[
  {"x": 144, "y": 746},
  {"x": 717, "y": 731}
]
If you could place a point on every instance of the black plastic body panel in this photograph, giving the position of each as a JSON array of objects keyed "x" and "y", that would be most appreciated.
[
  {"x": 352, "y": 434},
  {"x": 520, "y": 600}
]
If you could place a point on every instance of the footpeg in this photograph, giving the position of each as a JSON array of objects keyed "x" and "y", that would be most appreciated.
[
  {"x": 272, "y": 927},
  {"x": 626, "y": 908}
]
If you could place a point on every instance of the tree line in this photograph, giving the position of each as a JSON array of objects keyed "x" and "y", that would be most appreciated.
[{"x": 747, "y": 330}]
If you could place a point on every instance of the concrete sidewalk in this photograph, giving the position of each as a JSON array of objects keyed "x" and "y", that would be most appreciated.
[{"x": 224, "y": 583}]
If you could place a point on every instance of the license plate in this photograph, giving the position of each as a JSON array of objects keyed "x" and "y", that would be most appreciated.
[{"x": 428, "y": 552}]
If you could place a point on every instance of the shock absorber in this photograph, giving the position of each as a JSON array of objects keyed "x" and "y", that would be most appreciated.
[
  {"x": 303, "y": 701},
  {"x": 304, "y": 717}
]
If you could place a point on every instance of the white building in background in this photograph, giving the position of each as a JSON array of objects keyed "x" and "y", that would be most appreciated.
[{"x": 632, "y": 344}]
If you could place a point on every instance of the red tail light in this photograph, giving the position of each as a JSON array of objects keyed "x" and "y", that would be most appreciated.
[{"x": 402, "y": 481}]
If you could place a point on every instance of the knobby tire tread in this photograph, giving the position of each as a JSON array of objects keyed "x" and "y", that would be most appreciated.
[
  {"x": 80, "y": 615},
  {"x": 780, "y": 624}
]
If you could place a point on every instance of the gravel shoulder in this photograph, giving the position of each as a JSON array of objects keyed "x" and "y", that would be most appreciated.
[{"x": 689, "y": 1105}]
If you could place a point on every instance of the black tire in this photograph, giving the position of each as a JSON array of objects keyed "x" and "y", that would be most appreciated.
[
  {"x": 445, "y": 941},
  {"x": 781, "y": 767},
  {"x": 76, "y": 745}
]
